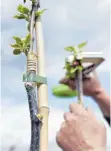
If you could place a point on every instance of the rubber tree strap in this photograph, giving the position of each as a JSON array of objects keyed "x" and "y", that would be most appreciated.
[{"x": 35, "y": 122}]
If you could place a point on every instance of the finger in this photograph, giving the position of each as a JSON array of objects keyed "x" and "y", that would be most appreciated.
[
  {"x": 90, "y": 76},
  {"x": 63, "y": 125},
  {"x": 62, "y": 141},
  {"x": 69, "y": 117},
  {"x": 62, "y": 138},
  {"x": 67, "y": 127},
  {"x": 59, "y": 140},
  {"x": 77, "y": 109},
  {"x": 90, "y": 112},
  {"x": 64, "y": 81},
  {"x": 70, "y": 82},
  {"x": 86, "y": 78}
]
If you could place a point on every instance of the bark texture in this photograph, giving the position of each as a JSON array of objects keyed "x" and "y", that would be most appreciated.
[{"x": 35, "y": 122}]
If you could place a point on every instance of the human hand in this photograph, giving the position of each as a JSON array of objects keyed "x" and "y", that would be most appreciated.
[
  {"x": 81, "y": 131},
  {"x": 93, "y": 88},
  {"x": 91, "y": 85}
]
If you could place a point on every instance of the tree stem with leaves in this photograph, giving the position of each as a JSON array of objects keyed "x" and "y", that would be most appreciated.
[
  {"x": 31, "y": 91},
  {"x": 74, "y": 67},
  {"x": 26, "y": 45}
]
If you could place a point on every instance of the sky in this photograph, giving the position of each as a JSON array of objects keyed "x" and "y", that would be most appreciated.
[{"x": 64, "y": 23}]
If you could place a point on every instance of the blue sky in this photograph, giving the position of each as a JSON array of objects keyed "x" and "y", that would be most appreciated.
[{"x": 65, "y": 23}]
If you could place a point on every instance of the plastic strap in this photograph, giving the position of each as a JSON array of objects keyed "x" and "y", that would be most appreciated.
[{"x": 34, "y": 78}]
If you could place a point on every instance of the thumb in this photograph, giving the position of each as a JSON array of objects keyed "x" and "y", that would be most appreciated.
[
  {"x": 68, "y": 82},
  {"x": 64, "y": 81}
]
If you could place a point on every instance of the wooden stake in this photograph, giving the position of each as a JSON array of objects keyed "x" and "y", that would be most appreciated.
[{"x": 42, "y": 89}]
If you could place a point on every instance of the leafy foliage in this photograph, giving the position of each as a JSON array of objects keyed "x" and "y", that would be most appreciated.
[
  {"x": 70, "y": 48},
  {"x": 70, "y": 71},
  {"x": 27, "y": 40},
  {"x": 23, "y": 10},
  {"x": 20, "y": 16},
  {"x": 21, "y": 45},
  {"x": 39, "y": 13},
  {"x": 18, "y": 40},
  {"x": 83, "y": 44},
  {"x": 80, "y": 68},
  {"x": 76, "y": 49},
  {"x": 73, "y": 70},
  {"x": 24, "y": 13},
  {"x": 16, "y": 51},
  {"x": 15, "y": 46},
  {"x": 70, "y": 68}
]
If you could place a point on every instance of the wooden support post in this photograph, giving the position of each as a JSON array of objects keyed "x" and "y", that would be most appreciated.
[{"x": 42, "y": 89}]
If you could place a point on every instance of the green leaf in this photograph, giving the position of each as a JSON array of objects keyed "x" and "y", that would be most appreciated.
[
  {"x": 20, "y": 16},
  {"x": 67, "y": 76},
  {"x": 67, "y": 66},
  {"x": 16, "y": 51},
  {"x": 80, "y": 68},
  {"x": 15, "y": 46},
  {"x": 69, "y": 48},
  {"x": 39, "y": 13},
  {"x": 33, "y": 1},
  {"x": 73, "y": 70},
  {"x": 83, "y": 44},
  {"x": 27, "y": 40},
  {"x": 23, "y": 10},
  {"x": 76, "y": 50},
  {"x": 18, "y": 40}
]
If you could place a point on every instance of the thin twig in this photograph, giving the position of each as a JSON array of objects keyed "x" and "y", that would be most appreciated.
[
  {"x": 32, "y": 22},
  {"x": 79, "y": 86}
]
